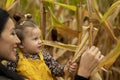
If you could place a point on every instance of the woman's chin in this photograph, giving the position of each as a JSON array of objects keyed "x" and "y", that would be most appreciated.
[{"x": 13, "y": 58}]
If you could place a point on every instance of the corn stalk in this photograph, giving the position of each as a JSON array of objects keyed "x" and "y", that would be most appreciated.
[{"x": 42, "y": 18}]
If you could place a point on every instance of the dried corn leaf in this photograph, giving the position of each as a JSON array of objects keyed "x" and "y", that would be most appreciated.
[
  {"x": 110, "y": 58},
  {"x": 84, "y": 43},
  {"x": 84, "y": 38},
  {"x": 60, "y": 45},
  {"x": 65, "y": 31}
]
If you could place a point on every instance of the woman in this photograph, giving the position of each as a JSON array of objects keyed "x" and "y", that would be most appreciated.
[{"x": 8, "y": 45}]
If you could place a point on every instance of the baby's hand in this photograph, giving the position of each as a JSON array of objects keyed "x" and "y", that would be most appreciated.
[{"x": 72, "y": 67}]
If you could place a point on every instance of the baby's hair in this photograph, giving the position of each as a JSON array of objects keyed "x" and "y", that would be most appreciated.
[{"x": 28, "y": 22}]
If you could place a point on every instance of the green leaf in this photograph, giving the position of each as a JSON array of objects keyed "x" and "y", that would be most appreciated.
[
  {"x": 73, "y": 8},
  {"x": 9, "y": 3},
  {"x": 23, "y": 4},
  {"x": 54, "y": 20},
  {"x": 37, "y": 17},
  {"x": 110, "y": 10},
  {"x": 113, "y": 55}
]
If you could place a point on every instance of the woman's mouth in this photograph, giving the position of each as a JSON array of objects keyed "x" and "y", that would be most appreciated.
[{"x": 15, "y": 51}]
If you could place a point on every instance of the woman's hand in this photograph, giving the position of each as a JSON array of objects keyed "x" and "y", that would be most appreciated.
[{"x": 89, "y": 61}]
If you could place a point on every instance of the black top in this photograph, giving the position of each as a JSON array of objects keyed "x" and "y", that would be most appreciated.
[
  {"x": 4, "y": 72},
  {"x": 77, "y": 77}
]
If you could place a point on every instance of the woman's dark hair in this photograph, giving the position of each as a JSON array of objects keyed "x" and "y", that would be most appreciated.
[{"x": 3, "y": 19}]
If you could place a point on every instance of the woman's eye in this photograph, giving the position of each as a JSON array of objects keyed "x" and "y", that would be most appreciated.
[{"x": 13, "y": 33}]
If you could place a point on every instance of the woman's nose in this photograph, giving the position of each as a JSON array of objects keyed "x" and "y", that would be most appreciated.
[{"x": 17, "y": 40}]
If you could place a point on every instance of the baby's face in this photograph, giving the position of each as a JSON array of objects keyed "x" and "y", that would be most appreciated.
[{"x": 32, "y": 42}]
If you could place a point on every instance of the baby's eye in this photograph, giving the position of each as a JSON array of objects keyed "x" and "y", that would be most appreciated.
[{"x": 36, "y": 38}]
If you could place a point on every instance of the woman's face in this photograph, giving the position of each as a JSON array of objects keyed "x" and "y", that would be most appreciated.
[{"x": 8, "y": 42}]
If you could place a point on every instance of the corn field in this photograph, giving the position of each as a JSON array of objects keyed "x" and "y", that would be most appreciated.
[{"x": 68, "y": 26}]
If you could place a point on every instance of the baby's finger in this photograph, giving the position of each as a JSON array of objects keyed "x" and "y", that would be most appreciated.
[{"x": 72, "y": 70}]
